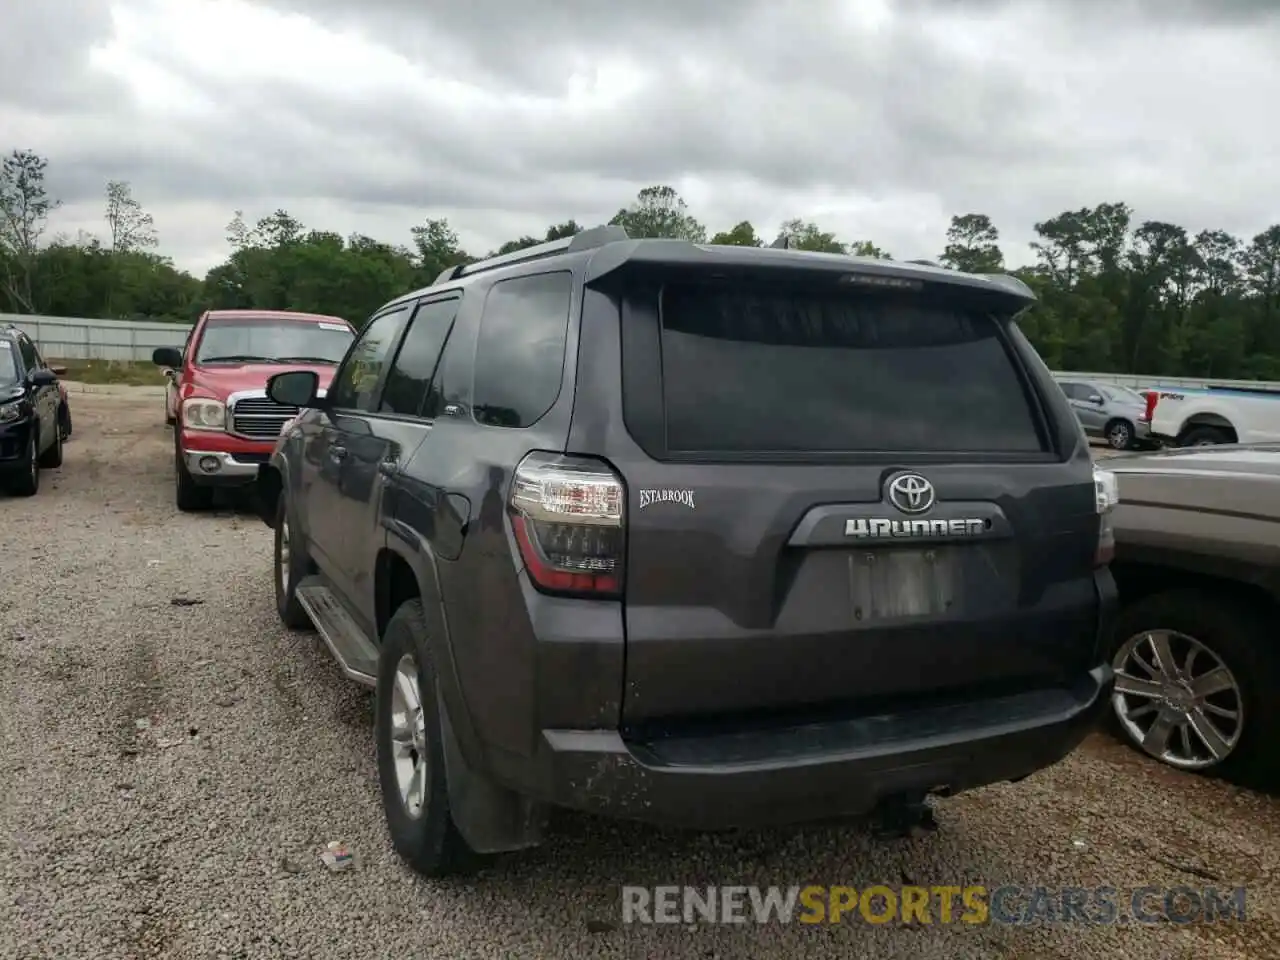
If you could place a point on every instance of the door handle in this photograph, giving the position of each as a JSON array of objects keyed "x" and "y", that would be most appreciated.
[
  {"x": 388, "y": 468},
  {"x": 337, "y": 453}
]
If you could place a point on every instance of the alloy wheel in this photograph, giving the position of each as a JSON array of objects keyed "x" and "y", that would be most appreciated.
[
  {"x": 409, "y": 737},
  {"x": 1177, "y": 700},
  {"x": 282, "y": 564}
]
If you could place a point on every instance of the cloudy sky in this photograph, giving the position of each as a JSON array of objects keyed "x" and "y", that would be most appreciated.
[{"x": 876, "y": 118}]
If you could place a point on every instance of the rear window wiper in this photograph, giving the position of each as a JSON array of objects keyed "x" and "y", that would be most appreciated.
[
  {"x": 306, "y": 360},
  {"x": 238, "y": 358}
]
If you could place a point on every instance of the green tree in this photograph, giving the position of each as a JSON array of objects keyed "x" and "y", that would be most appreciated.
[
  {"x": 25, "y": 206},
  {"x": 973, "y": 245},
  {"x": 129, "y": 227},
  {"x": 520, "y": 243},
  {"x": 865, "y": 248},
  {"x": 740, "y": 235},
  {"x": 435, "y": 249},
  {"x": 660, "y": 212},
  {"x": 558, "y": 231},
  {"x": 802, "y": 235}
]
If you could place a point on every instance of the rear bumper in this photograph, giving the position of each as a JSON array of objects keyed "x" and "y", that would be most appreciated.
[{"x": 821, "y": 771}]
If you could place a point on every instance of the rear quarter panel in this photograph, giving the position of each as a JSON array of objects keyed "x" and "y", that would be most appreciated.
[{"x": 1206, "y": 521}]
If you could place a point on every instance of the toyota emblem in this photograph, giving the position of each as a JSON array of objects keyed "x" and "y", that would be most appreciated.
[{"x": 911, "y": 493}]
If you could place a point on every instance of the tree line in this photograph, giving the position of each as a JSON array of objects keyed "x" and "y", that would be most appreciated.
[{"x": 1115, "y": 294}]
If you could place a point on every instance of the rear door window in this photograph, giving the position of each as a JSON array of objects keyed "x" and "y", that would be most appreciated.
[
  {"x": 410, "y": 376},
  {"x": 769, "y": 369}
]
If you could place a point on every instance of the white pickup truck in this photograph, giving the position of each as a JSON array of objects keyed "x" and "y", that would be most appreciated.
[{"x": 1197, "y": 417}]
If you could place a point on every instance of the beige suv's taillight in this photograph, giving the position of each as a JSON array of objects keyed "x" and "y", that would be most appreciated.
[{"x": 1107, "y": 496}]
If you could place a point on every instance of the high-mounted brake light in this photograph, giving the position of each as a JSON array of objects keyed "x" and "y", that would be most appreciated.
[
  {"x": 1106, "y": 497},
  {"x": 569, "y": 515}
]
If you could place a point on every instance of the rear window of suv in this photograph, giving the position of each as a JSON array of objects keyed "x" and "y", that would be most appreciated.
[{"x": 759, "y": 369}]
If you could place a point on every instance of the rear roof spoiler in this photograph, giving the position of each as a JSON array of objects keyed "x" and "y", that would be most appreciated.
[
  {"x": 622, "y": 249},
  {"x": 781, "y": 255}
]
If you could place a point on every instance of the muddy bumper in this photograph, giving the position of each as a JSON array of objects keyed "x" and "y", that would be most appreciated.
[{"x": 821, "y": 771}]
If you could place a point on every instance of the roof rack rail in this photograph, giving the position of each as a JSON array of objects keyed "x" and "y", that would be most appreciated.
[
  {"x": 588, "y": 239},
  {"x": 925, "y": 263}
]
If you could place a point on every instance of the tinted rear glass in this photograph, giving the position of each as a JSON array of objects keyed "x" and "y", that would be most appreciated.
[{"x": 760, "y": 369}]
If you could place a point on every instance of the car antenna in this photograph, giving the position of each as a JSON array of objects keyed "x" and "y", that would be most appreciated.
[{"x": 782, "y": 243}]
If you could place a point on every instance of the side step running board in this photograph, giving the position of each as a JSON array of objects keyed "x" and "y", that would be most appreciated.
[{"x": 355, "y": 653}]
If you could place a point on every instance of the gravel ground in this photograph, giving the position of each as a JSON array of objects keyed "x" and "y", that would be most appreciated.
[{"x": 170, "y": 773}]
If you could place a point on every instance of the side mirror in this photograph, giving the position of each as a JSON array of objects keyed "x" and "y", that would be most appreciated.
[
  {"x": 166, "y": 357},
  {"x": 295, "y": 388},
  {"x": 1094, "y": 398},
  {"x": 58, "y": 370},
  {"x": 43, "y": 378}
]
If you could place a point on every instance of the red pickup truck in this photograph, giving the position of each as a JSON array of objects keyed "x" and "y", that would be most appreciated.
[{"x": 224, "y": 424}]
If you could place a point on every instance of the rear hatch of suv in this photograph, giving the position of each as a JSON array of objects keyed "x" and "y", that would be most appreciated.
[{"x": 844, "y": 494}]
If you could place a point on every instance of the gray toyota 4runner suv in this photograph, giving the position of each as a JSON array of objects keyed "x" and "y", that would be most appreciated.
[{"x": 701, "y": 536}]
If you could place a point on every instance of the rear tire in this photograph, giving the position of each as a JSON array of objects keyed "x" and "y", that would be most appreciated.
[
  {"x": 52, "y": 458},
  {"x": 424, "y": 836},
  {"x": 1237, "y": 635},
  {"x": 189, "y": 496},
  {"x": 1119, "y": 434},
  {"x": 289, "y": 566},
  {"x": 64, "y": 421},
  {"x": 1205, "y": 437},
  {"x": 27, "y": 482}
]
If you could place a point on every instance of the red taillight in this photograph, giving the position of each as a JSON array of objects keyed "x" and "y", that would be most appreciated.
[
  {"x": 569, "y": 519},
  {"x": 1153, "y": 396}
]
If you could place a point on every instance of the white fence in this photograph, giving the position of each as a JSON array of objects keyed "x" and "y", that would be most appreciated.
[
  {"x": 78, "y": 338},
  {"x": 81, "y": 338}
]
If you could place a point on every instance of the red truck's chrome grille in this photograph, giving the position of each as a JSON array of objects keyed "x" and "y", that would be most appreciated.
[{"x": 260, "y": 417}]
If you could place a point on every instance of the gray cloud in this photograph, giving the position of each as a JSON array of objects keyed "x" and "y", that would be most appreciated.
[
  {"x": 878, "y": 127},
  {"x": 43, "y": 48},
  {"x": 538, "y": 45},
  {"x": 1191, "y": 11}
]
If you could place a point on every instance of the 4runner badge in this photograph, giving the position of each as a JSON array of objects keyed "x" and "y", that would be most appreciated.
[
  {"x": 880, "y": 528},
  {"x": 682, "y": 497}
]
